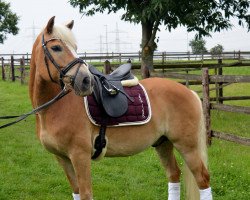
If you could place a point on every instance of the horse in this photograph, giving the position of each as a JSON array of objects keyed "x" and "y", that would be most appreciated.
[{"x": 65, "y": 130}]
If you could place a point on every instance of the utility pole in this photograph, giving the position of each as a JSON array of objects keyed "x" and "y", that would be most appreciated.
[
  {"x": 117, "y": 41},
  {"x": 101, "y": 44},
  {"x": 106, "y": 26},
  {"x": 33, "y": 28}
]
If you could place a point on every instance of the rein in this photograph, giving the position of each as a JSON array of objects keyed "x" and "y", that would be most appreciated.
[{"x": 34, "y": 111}]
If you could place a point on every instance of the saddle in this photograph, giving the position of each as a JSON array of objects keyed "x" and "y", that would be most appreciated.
[
  {"x": 109, "y": 91},
  {"x": 110, "y": 94}
]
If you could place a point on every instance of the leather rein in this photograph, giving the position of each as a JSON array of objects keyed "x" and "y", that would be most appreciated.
[
  {"x": 34, "y": 111},
  {"x": 62, "y": 71}
]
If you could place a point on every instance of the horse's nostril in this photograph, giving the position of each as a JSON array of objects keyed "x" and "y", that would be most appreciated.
[{"x": 86, "y": 81}]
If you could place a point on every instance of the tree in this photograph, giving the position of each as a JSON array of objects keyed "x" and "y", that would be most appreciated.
[
  {"x": 201, "y": 16},
  {"x": 198, "y": 46},
  {"x": 8, "y": 21},
  {"x": 216, "y": 50}
]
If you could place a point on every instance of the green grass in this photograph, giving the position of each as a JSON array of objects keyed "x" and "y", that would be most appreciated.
[{"x": 28, "y": 172}]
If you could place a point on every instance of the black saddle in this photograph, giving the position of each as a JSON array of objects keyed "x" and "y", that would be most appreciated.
[{"x": 109, "y": 92}]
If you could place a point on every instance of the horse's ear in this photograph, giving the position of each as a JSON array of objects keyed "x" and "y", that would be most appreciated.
[
  {"x": 70, "y": 25},
  {"x": 50, "y": 25}
]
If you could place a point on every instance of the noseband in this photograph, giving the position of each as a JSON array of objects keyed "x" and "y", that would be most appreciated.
[{"x": 62, "y": 70}]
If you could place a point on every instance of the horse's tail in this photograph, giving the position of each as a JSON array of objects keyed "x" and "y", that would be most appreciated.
[{"x": 192, "y": 190}]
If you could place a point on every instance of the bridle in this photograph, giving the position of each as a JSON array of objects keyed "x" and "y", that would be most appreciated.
[{"x": 62, "y": 70}]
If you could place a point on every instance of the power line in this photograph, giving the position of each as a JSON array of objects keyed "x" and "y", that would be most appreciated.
[
  {"x": 33, "y": 28},
  {"x": 117, "y": 41}
]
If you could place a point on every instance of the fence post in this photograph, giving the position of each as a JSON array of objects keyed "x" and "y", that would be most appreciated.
[
  {"x": 187, "y": 81},
  {"x": 107, "y": 67},
  {"x": 3, "y": 70},
  {"x": 27, "y": 59},
  {"x": 112, "y": 57},
  {"x": 239, "y": 56},
  {"x": 219, "y": 89},
  {"x": 139, "y": 54},
  {"x": 163, "y": 57},
  {"x": 206, "y": 103},
  {"x": 216, "y": 84},
  {"x": 22, "y": 70},
  {"x": 12, "y": 67},
  {"x": 188, "y": 54},
  {"x": 120, "y": 58}
]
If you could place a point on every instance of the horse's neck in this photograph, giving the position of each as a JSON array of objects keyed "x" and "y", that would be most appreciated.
[{"x": 43, "y": 91}]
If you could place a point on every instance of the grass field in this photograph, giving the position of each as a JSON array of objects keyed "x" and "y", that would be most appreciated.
[{"x": 29, "y": 172}]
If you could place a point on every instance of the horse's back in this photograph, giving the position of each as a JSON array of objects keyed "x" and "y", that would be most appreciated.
[
  {"x": 174, "y": 106},
  {"x": 169, "y": 91}
]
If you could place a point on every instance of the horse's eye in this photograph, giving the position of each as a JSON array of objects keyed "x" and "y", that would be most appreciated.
[{"x": 56, "y": 48}]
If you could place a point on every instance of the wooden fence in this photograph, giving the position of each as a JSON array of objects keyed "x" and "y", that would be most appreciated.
[
  {"x": 209, "y": 104},
  {"x": 160, "y": 57},
  {"x": 182, "y": 73},
  {"x": 17, "y": 68}
]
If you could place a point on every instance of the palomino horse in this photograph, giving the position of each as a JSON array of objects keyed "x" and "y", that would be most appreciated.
[{"x": 65, "y": 130}]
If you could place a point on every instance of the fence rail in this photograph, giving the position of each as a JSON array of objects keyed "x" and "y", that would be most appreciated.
[{"x": 230, "y": 138}]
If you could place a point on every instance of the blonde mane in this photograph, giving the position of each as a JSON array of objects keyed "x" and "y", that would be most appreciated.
[{"x": 65, "y": 34}]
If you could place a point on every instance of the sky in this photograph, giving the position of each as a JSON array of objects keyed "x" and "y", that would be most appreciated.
[{"x": 106, "y": 32}]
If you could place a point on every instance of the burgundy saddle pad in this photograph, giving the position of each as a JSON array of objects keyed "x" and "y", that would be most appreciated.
[{"x": 138, "y": 113}]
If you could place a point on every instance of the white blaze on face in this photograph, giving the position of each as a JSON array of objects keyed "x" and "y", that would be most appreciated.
[
  {"x": 73, "y": 50},
  {"x": 67, "y": 36}
]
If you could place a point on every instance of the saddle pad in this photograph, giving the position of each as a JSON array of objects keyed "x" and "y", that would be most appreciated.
[{"x": 138, "y": 113}]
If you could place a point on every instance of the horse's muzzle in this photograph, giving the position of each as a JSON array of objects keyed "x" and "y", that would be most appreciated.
[{"x": 83, "y": 83}]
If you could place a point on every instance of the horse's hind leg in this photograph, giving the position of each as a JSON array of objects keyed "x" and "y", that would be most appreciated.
[
  {"x": 165, "y": 152},
  {"x": 197, "y": 167},
  {"x": 195, "y": 161},
  {"x": 70, "y": 173}
]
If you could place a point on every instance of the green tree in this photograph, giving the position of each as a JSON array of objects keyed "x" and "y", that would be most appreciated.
[
  {"x": 198, "y": 46},
  {"x": 8, "y": 21},
  {"x": 201, "y": 16},
  {"x": 216, "y": 50}
]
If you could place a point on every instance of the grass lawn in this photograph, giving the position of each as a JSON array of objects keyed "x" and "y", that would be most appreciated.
[{"x": 29, "y": 172}]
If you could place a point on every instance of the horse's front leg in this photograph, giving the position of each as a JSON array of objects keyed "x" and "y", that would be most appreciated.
[
  {"x": 81, "y": 161},
  {"x": 70, "y": 173}
]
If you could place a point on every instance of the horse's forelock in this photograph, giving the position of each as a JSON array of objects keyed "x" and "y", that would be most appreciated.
[{"x": 65, "y": 34}]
